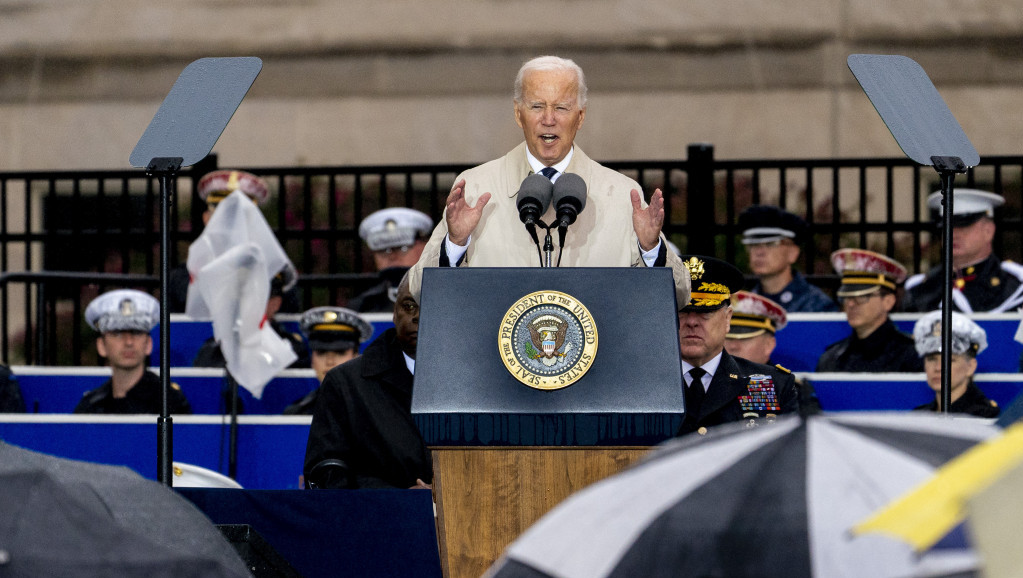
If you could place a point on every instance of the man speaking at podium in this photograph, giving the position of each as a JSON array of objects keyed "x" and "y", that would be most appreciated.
[{"x": 611, "y": 224}]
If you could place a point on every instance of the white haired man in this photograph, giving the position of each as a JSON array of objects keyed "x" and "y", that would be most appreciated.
[{"x": 481, "y": 225}]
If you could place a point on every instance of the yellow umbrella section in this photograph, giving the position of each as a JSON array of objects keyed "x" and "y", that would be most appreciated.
[{"x": 927, "y": 513}]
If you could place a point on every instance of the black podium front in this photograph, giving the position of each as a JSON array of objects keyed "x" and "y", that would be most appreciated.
[{"x": 533, "y": 383}]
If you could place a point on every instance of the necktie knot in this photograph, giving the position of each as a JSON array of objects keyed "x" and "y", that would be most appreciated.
[
  {"x": 696, "y": 375},
  {"x": 549, "y": 172}
]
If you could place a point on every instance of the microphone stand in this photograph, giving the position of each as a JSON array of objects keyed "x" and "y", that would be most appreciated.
[{"x": 548, "y": 245}]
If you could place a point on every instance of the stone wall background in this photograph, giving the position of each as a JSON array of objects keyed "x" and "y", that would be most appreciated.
[{"x": 399, "y": 81}]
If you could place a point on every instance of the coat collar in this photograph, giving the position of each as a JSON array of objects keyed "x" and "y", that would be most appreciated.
[
  {"x": 579, "y": 165},
  {"x": 383, "y": 360}
]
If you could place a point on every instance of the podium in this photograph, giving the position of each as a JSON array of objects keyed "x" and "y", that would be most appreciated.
[{"x": 533, "y": 383}]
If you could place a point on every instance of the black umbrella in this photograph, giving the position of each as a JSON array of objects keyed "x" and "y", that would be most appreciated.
[
  {"x": 63, "y": 517},
  {"x": 775, "y": 500}
]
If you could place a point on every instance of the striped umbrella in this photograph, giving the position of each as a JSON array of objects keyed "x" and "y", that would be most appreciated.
[{"x": 775, "y": 500}]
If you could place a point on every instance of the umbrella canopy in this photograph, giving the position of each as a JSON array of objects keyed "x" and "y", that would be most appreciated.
[
  {"x": 776, "y": 500},
  {"x": 982, "y": 484},
  {"x": 929, "y": 511},
  {"x": 69, "y": 518}
]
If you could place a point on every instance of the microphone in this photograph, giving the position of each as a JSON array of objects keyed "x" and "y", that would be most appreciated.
[
  {"x": 569, "y": 199},
  {"x": 532, "y": 201}
]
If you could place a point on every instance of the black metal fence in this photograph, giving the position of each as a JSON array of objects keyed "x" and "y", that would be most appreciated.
[{"x": 82, "y": 223}]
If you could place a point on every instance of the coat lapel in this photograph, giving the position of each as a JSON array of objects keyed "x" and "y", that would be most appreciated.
[{"x": 728, "y": 383}]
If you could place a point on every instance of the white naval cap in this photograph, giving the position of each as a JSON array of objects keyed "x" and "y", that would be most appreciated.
[
  {"x": 123, "y": 310},
  {"x": 394, "y": 227},
  {"x": 968, "y": 205},
  {"x": 967, "y": 336}
]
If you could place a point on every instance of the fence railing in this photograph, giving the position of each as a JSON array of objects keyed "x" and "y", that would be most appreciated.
[{"x": 107, "y": 222}]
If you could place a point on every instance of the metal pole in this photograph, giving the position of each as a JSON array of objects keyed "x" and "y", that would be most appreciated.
[
  {"x": 165, "y": 169},
  {"x": 946, "y": 299},
  {"x": 947, "y": 167}
]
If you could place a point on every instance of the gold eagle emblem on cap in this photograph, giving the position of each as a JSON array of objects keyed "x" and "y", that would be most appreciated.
[{"x": 695, "y": 267}]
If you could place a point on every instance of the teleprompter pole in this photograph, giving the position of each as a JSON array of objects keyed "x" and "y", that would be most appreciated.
[
  {"x": 165, "y": 169},
  {"x": 947, "y": 168}
]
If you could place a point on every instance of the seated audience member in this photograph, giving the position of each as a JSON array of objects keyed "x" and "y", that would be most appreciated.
[
  {"x": 968, "y": 340},
  {"x": 363, "y": 434},
  {"x": 867, "y": 293},
  {"x": 124, "y": 318},
  {"x": 773, "y": 240},
  {"x": 10, "y": 394},
  {"x": 751, "y": 336},
  {"x": 210, "y": 354},
  {"x": 334, "y": 335},
  {"x": 397, "y": 237},
  {"x": 721, "y": 388},
  {"x": 213, "y": 188},
  {"x": 982, "y": 282}
]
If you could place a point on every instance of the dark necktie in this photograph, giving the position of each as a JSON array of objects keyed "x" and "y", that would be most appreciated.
[
  {"x": 549, "y": 172},
  {"x": 695, "y": 392}
]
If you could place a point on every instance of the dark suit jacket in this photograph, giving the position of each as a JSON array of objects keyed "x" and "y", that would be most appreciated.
[
  {"x": 730, "y": 382},
  {"x": 363, "y": 419}
]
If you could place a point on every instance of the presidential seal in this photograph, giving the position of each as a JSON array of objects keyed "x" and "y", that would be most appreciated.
[{"x": 547, "y": 340}]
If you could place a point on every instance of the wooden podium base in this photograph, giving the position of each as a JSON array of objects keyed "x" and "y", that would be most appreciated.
[{"x": 486, "y": 497}]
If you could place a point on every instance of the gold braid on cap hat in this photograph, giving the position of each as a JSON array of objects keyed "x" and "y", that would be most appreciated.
[
  {"x": 710, "y": 294},
  {"x": 857, "y": 278},
  {"x": 755, "y": 321},
  {"x": 333, "y": 327}
]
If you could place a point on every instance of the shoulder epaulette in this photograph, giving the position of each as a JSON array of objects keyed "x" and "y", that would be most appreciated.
[
  {"x": 1013, "y": 268},
  {"x": 914, "y": 280},
  {"x": 782, "y": 368}
]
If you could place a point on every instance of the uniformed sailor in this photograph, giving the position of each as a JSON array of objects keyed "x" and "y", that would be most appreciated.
[
  {"x": 868, "y": 294},
  {"x": 721, "y": 388},
  {"x": 334, "y": 335},
  {"x": 773, "y": 239},
  {"x": 981, "y": 281},
  {"x": 396, "y": 236},
  {"x": 968, "y": 341},
  {"x": 124, "y": 319}
]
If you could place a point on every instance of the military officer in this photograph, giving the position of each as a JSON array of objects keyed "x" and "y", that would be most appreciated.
[
  {"x": 968, "y": 341},
  {"x": 124, "y": 319},
  {"x": 721, "y": 388},
  {"x": 334, "y": 335},
  {"x": 751, "y": 336},
  {"x": 868, "y": 295},
  {"x": 396, "y": 236},
  {"x": 773, "y": 239},
  {"x": 981, "y": 282}
]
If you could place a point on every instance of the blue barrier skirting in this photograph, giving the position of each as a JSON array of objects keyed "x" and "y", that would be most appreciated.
[
  {"x": 271, "y": 449},
  {"x": 807, "y": 335},
  {"x": 58, "y": 389},
  {"x": 188, "y": 335},
  {"x": 379, "y": 533}
]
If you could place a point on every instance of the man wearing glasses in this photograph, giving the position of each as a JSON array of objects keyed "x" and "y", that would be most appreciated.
[
  {"x": 772, "y": 238},
  {"x": 720, "y": 388},
  {"x": 867, "y": 294}
]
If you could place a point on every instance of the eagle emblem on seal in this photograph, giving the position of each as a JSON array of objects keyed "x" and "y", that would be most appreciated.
[{"x": 547, "y": 335}]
